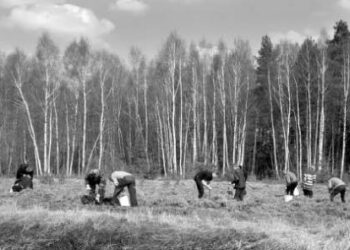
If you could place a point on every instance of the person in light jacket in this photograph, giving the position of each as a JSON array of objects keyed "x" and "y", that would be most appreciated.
[
  {"x": 291, "y": 182},
  {"x": 122, "y": 179},
  {"x": 336, "y": 186}
]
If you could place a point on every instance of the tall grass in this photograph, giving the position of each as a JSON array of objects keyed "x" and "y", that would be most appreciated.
[{"x": 171, "y": 217}]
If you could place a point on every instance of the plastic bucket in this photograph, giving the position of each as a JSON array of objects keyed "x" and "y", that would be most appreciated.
[
  {"x": 288, "y": 198},
  {"x": 124, "y": 201},
  {"x": 296, "y": 192}
]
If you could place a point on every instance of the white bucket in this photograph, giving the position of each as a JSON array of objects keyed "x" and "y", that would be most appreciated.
[
  {"x": 296, "y": 192},
  {"x": 288, "y": 198},
  {"x": 124, "y": 201}
]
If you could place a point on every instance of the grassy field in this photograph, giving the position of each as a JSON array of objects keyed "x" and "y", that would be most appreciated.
[{"x": 171, "y": 217}]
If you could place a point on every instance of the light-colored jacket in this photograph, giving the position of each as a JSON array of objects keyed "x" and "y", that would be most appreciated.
[
  {"x": 290, "y": 177},
  {"x": 117, "y": 175},
  {"x": 335, "y": 182}
]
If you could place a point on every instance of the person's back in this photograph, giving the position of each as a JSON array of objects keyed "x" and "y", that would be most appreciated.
[
  {"x": 119, "y": 175},
  {"x": 335, "y": 182},
  {"x": 290, "y": 177},
  {"x": 336, "y": 186},
  {"x": 204, "y": 175}
]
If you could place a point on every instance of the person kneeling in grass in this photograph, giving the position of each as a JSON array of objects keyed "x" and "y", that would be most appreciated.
[
  {"x": 24, "y": 178},
  {"x": 202, "y": 179},
  {"x": 291, "y": 182},
  {"x": 95, "y": 179},
  {"x": 123, "y": 179},
  {"x": 336, "y": 186},
  {"x": 239, "y": 179}
]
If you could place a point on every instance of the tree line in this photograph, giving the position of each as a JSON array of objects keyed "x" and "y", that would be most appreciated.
[{"x": 211, "y": 104}]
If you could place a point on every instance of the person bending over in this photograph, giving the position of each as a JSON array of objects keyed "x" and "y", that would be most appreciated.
[
  {"x": 121, "y": 180},
  {"x": 94, "y": 179},
  {"x": 291, "y": 182},
  {"x": 336, "y": 186},
  {"x": 203, "y": 179}
]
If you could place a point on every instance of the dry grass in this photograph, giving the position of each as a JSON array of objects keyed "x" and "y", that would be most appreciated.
[{"x": 171, "y": 217}]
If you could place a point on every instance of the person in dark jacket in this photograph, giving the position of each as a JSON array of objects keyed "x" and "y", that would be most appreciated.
[
  {"x": 239, "y": 180},
  {"x": 203, "y": 179},
  {"x": 95, "y": 179},
  {"x": 24, "y": 178},
  {"x": 24, "y": 169}
]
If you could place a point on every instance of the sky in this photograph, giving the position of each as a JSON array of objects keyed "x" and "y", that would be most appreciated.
[{"x": 117, "y": 25}]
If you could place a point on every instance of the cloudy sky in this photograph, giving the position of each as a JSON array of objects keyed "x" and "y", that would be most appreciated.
[{"x": 118, "y": 24}]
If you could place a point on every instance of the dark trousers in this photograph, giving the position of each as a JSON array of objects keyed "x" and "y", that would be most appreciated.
[
  {"x": 290, "y": 188},
  {"x": 127, "y": 181},
  {"x": 239, "y": 194},
  {"x": 308, "y": 193},
  {"x": 101, "y": 190},
  {"x": 199, "y": 187},
  {"x": 340, "y": 189}
]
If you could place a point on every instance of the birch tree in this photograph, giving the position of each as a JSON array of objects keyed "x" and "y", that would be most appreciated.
[
  {"x": 47, "y": 55},
  {"x": 17, "y": 66}
]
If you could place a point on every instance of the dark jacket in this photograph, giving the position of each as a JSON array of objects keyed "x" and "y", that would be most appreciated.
[
  {"x": 93, "y": 179},
  {"x": 24, "y": 169},
  {"x": 239, "y": 178}
]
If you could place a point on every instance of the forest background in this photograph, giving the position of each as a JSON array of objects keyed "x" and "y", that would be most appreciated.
[{"x": 197, "y": 104}]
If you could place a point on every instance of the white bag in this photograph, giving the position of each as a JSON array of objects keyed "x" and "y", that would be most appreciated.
[
  {"x": 288, "y": 198},
  {"x": 296, "y": 191}
]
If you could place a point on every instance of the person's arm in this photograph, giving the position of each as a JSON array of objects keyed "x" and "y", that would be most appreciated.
[
  {"x": 87, "y": 185},
  {"x": 287, "y": 178},
  {"x": 330, "y": 186},
  {"x": 114, "y": 179},
  {"x": 206, "y": 184}
]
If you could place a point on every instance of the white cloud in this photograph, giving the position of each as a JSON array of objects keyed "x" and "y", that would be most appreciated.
[
  {"x": 59, "y": 19},
  {"x": 134, "y": 6},
  {"x": 291, "y": 35},
  {"x": 344, "y": 4},
  {"x": 18, "y": 3}
]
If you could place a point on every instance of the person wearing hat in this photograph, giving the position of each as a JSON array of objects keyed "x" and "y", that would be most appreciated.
[
  {"x": 291, "y": 182},
  {"x": 94, "y": 179},
  {"x": 203, "y": 179},
  {"x": 122, "y": 179},
  {"x": 239, "y": 179},
  {"x": 336, "y": 186}
]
